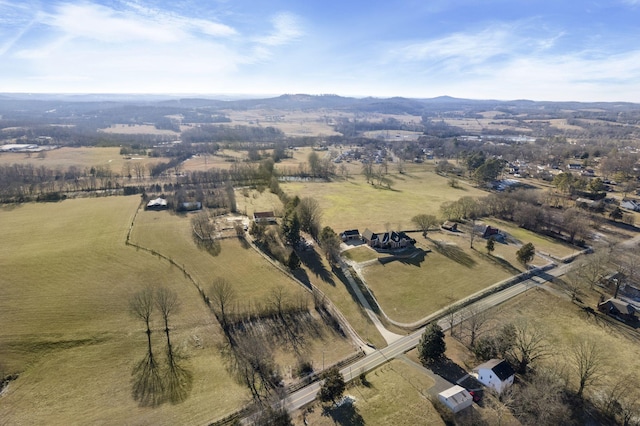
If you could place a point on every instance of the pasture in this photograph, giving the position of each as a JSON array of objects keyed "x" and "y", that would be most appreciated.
[
  {"x": 67, "y": 281},
  {"x": 356, "y": 204},
  {"x": 394, "y": 394},
  {"x": 82, "y": 158}
]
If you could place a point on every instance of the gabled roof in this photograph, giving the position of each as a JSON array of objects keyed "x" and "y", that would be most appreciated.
[
  {"x": 620, "y": 305},
  {"x": 456, "y": 393},
  {"x": 351, "y": 232},
  {"x": 369, "y": 235},
  {"x": 500, "y": 368}
]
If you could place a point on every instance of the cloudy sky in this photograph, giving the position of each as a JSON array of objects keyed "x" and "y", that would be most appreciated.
[{"x": 586, "y": 50}]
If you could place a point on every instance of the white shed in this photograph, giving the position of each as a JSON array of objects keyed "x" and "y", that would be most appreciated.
[{"x": 456, "y": 398}]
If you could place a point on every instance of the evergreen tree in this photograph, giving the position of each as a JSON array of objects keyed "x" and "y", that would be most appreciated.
[
  {"x": 333, "y": 386},
  {"x": 432, "y": 345}
]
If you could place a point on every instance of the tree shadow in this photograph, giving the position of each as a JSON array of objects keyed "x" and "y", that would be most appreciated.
[
  {"x": 346, "y": 414},
  {"x": 244, "y": 243},
  {"x": 178, "y": 380},
  {"x": 302, "y": 276},
  {"x": 312, "y": 260},
  {"x": 454, "y": 253},
  {"x": 147, "y": 383},
  {"x": 448, "y": 370}
]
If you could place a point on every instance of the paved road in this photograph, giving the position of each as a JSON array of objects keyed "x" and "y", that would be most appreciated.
[{"x": 308, "y": 394}]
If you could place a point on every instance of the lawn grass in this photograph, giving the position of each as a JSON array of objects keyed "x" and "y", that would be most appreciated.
[
  {"x": 67, "y": 278},
  {"x": 395, "y": 394},
  {"x": 410, "y": 289},
  {"x": 361, "y": 254},
  {"x": 355, "y": 204}
]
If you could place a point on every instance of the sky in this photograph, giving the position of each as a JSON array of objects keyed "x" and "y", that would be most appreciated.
[{"x": 555, "y": 50}]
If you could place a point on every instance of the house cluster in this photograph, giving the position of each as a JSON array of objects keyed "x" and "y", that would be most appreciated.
[{"x": 495, "y": 374}]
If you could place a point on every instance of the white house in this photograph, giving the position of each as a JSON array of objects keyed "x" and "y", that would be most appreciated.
[
  {"x": 456, "y": 398},
  {"x": 496, "y": 374}
]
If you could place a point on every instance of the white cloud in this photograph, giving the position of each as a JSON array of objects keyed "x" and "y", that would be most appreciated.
[{"x": 286, "y": 28}]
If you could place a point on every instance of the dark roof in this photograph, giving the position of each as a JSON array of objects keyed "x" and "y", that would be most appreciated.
[
  {"x": 351, "y": 232},
  {"x": 263, "y": 215},
  {"x": 620, "y": 305},
  {"x": 500, "y": 367}
]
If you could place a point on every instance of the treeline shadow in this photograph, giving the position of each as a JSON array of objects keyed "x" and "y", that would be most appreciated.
[
  {"x": 454, "y": 253},
  {"x": 312, "y": 260}
]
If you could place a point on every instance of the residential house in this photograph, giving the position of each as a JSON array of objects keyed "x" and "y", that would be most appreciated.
[
  {"x": 496, "y": 374},
  {"x": 190, "y": 206},
  {"x": 387, "y": 240},
  {"x": 456, "y": 398},
  {"x": 486, "y": 231},
  {"x": 450, "y": 226},
  {"x": 619, "y": 309},
  {"x": 264, "y": 217},
  {"x": 351, "y": 234}
]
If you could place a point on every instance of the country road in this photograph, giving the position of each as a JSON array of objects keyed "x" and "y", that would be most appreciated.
[{"x": 371, "y": 361}]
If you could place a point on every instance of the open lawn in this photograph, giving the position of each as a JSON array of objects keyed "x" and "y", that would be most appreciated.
[
  {"x": 84, "y": 157},
  {"x": 353, "y": 203},
  {"x": 421, "y": 282},
  {"x": 394, "y": 394},
  {"x": 67, "y": 279}
]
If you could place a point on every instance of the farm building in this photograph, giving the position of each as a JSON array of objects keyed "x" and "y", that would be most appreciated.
[
  {"x": 630, "y": 205},
  {"x": 496, "y": 374},
  {"x": 190, "y": 206},
  {"x": 456, "y": 398},
  {"x": 487, "y": 231},
  {"x": 264, "y": 217},
  {"x": 157, "y": 204}
]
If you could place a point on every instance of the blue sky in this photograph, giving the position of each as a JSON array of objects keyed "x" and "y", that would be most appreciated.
[{"x": 586, "y": 50}]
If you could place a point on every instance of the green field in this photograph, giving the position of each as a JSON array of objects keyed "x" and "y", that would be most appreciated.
[
  {"x": 354, "y": 204},
  {"x": 67, "y": 278}
]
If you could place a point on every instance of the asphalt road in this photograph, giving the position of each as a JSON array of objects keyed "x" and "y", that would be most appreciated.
[{"x": 308, "y": 394}]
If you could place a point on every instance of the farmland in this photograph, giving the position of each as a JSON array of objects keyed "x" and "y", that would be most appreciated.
[{"x": 64, "y": 299}]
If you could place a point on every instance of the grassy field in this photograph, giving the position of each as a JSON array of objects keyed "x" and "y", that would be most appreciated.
[
  {"x": 355, "y": 204},
  {"x": 85, "y": 157},
  {"x": 410, "y": 289},
  {"x": 394, "y": 395},
  {"x": 66, "y": 284}
]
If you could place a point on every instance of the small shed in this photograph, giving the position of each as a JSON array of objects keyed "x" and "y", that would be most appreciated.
[
  {"x": 456, "y": 398},
  {"x": 450, "y": 226},
  {"x": 264, "y": 217}
]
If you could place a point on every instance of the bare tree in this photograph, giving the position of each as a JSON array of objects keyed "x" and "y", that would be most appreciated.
[
  {"x": 476, "y": 319},
  {"x": 540, "y": 399},
  {"x": 309, "y": 213},
  {"x": 529, "y": 345},
  {"x": 141, "y": 306},
  {"x": 574, "y": 284},
  {"x": 167, "y": 302},
  {"x": 588, "y": 360},
  {"x": 592, "y": 268},
  {"x": 221, "y": 294},
  {"x": 424, "y": 222}
]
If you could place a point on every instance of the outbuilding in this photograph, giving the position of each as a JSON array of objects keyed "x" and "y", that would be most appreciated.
[{"x": 456, "y": 398}]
